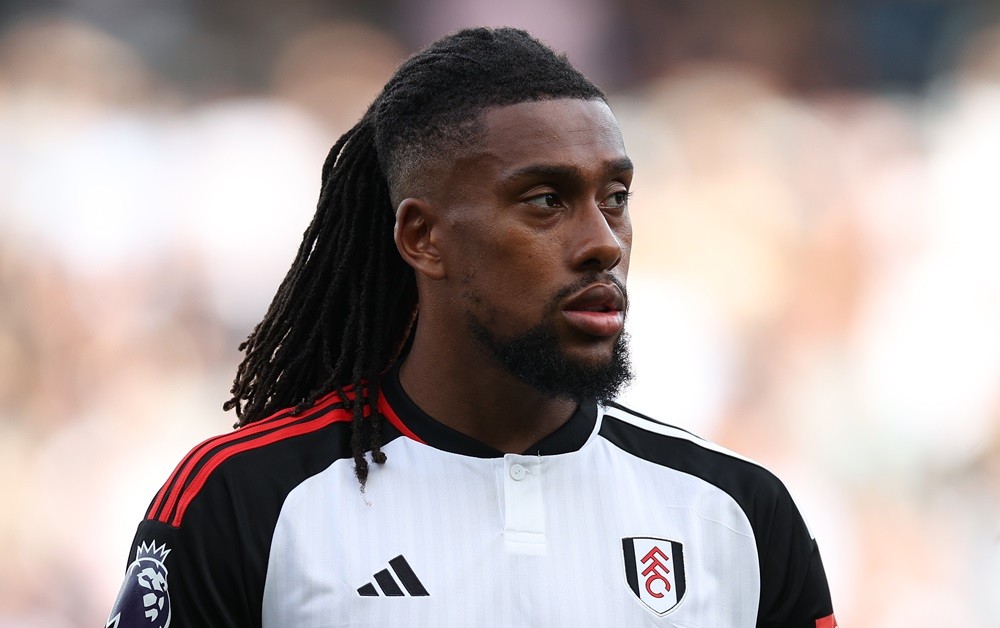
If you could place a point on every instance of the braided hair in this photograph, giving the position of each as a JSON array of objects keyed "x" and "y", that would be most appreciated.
[{"x": 347, "y": 307}]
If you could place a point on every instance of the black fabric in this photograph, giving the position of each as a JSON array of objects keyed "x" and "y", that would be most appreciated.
[
  {"x": 198, "y": 457},
  {"x": 217, "y": 560},
  {"x": 407, "y": 576},
  {"x": 387, "y": 584},
  {"x": 569, "y": 437},
  {"x": 631, "y": 573},
  {"x": 218, "y": 555},
  {"x": 794, "y": 591}
]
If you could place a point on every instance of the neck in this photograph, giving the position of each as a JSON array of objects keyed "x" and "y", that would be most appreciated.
[{"x": 471, "y": 393}]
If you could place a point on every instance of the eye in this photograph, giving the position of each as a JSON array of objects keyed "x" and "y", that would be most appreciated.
[
  {"x": 618, "y": 200},
  {"x": 546, "y": 201}
]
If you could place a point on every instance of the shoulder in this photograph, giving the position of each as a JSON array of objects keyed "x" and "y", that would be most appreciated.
[
  {"x": 758, "y": 491},
  {"x": 210, "y": 526},
  {"x": 258, "y": 462},
  {"x": 793, "y": 587}
]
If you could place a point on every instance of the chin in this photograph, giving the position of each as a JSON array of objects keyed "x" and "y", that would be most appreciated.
[
  {"x": 594, "y": 358},
  {"x": 558, "y": 367}
]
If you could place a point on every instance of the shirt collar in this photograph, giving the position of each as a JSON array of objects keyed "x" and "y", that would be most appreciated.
[{"x": 570, "y": 437}]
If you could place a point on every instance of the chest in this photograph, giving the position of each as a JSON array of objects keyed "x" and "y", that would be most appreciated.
[{"x": 588, "y": 539}]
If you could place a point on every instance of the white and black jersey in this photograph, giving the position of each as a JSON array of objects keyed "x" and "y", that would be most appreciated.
[{"x": 612, "y": 520}]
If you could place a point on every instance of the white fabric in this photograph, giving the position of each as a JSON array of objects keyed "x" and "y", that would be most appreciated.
[{"x": 493, "y": 550}]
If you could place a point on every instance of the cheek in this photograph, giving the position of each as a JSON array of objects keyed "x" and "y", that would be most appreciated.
[
  {"x": 505, "y": 279},
  {"x": 525, "y": 263},
  {"x": 624, "y": 234},
  {"x": 502, "y": 255}
]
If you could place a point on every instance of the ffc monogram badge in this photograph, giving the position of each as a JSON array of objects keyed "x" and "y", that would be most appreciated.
[{"x": 654, "y": 570}]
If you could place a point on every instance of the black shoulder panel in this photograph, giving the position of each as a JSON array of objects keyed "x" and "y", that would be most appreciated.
[
  {"x": 209, "y": 546},
  {"x": 794, "y": 590}
]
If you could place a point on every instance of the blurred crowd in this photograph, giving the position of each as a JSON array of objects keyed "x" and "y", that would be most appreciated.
[{"x": 815, "y": 278}]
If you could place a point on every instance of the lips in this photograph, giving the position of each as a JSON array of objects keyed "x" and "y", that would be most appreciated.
[{"x": 597, "y": 311}]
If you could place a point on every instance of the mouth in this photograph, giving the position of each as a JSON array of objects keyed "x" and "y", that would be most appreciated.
[{"x": 597, "y": 311}]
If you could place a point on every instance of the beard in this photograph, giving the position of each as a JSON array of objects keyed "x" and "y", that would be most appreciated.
[{"x": 536, "y": 358}]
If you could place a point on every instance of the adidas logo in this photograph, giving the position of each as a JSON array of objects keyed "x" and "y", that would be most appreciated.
[{"x": 404, "y": 575}]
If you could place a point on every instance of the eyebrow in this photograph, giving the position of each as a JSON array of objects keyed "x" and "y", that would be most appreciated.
[{"x": 570, "y": 173}]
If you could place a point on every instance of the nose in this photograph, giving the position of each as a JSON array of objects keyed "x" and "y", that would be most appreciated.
[{"x": 601, "y": 240}]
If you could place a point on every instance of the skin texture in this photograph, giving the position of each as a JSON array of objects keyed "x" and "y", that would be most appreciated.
[{"x": 509, "y": 234}]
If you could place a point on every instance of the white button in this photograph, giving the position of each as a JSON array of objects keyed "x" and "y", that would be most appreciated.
[{"x": 517, "y": 472}]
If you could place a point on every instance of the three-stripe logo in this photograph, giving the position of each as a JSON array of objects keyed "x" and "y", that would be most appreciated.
[{"x": 390, "y": 585}]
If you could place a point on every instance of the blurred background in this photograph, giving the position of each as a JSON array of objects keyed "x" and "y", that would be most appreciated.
[{"x": 815, "y": 278}]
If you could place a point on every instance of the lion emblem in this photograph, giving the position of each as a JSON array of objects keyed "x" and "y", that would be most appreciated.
[{"x": 144, "y": 599}]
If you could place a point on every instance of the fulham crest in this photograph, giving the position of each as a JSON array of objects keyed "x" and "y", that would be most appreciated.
[{"x": 654, "y": 570}]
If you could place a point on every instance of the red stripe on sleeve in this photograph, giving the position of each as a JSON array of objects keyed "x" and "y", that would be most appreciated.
[
  {"x": 827, "y": 622},
  {"x": 298, "y": 429},
  {"x": 175, "y": 484},
  {"x": 196, "y": 452}
]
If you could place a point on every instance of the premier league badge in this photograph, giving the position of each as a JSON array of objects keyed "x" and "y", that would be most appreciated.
[
  {"x": 654, "y": 570},
  {"x": 144, "y": 599}
]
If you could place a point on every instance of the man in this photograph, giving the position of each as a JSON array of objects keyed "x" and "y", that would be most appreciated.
[{"x": 454, "y": 316}]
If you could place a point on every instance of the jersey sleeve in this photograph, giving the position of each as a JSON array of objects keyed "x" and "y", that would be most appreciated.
[
  {"x": 192, "y": 574},
  {"x": 794, "y": 591}
]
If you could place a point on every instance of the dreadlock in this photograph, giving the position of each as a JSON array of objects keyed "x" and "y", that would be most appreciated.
[{"x": 347, "y": 306}]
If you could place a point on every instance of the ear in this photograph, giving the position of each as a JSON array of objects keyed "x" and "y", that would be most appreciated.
[{"x": 417, "y": 237}]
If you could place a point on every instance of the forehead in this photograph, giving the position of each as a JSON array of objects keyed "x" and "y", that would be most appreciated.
[{"x": 582, "y": 133}]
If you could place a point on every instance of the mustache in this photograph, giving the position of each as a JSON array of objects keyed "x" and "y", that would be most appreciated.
[{"x": 584, "y": 283}]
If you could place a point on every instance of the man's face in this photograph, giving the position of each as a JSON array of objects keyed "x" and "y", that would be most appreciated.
[{"x": 536, "y": 244}]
